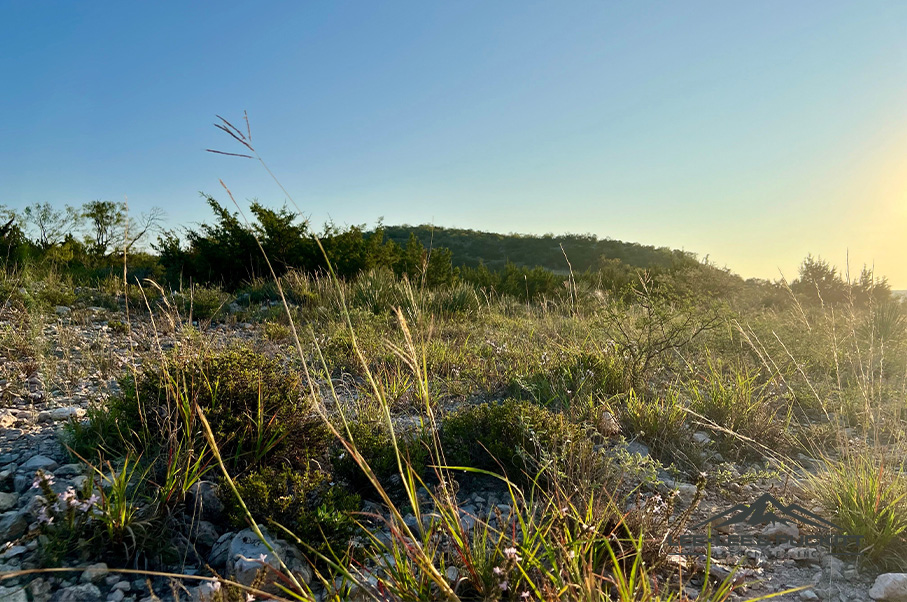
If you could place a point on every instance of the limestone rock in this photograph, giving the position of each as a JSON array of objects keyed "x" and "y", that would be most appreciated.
[
  {"x": 13, "y": 594},
  {"x": 87, "y": 592},
  {"x": 12, "y": 526},
  {"x": 781, "y": 530},
  {"x": 890, "y": 587},
  {"x": 94, "y": 573},
  {"x": 39, "y": 463},
  {"x": 203, "y": 501}
]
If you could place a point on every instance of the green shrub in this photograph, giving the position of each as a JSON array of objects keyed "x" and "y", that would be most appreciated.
[
  {"x": 307, "y": 502},
  {"x": 118, "y": 326},
  {"x": 867, "y": 497},
  {"x": 576, "y": 376},
  {"x": 458, "y": 299},
  {"x": 735, "y": 400},
  {"x": 275, "y": 331},
  {"x": 252, "y": 403},
  {"x": 373, "y": 440},
  {"x": 510, "y": 436},
  {"x": 260, "y": 290},
  {"x": 379, "y": 291},
  {"x": 204, "y": 303},
  {"x": 661, "y": 422},
  {"x": 54, "y": 291}
]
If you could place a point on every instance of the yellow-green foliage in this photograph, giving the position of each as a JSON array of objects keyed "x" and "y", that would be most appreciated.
[
  {"x": 513, "y": 437},
  {"x": 867, "y": 496},
  {"x": 306, "y": 501}
]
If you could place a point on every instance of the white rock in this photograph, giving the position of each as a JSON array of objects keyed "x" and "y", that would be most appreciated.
[
  {"x": 8, "y": 501},
  {"x": 203, "y": 499},
  {"x": 94, "y": 572},
  {"x": 7, "y": 420},
  {"x": 687, "y": 491},
  {"x": 891, "y": 587},
  {"x": 40, "y": 590},
  {"x": 635, "y": 447},
  {"x": 209, "y": 591},
  {"x": 702, "y": 438},
  {"x": 86, "y": 592},
  {"x": 58, "y": 414},
  {"x": 39, "y": 463},
  {"x": 116, "y": 595},
  {"x": 12, "y": 526},
  {"x": 247, "y": 556},
  {"x": 13, "y": 552},
  {"x": 13, "y": 594},
  {"x": 776, "y": 530}
]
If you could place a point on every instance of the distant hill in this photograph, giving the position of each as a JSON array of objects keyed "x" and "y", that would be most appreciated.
[{"x": 471, "y": 247}]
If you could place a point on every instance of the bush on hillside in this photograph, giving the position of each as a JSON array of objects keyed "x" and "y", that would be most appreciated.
[{"x": 508, "y": 437}]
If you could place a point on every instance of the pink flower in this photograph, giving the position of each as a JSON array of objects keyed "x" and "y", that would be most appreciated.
[{"x": 89, "y": 503}]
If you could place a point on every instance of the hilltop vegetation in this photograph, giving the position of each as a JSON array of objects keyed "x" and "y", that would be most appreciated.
[
  {"x": 472, "y": 248},
  {"x": 88, "y": 244}
]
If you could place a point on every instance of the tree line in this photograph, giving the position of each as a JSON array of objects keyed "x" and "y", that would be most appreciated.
[{"x": 91, "y": 241}]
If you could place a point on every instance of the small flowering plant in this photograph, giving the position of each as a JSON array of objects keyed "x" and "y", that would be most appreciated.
[{"x": 64, "y": 516}]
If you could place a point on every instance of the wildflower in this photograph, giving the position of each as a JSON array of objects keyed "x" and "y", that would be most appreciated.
[
  {"x": 503, "y": 585},
  {"x": 497, "y": 570},
  {"x": 263, "y": 558},
  {"x": 512, "y": 553},
  {"x": 43, "y": 517},
  {"x": 525, "y": 595},
  {"x": 47, "y": 479},
  {"x": 66, "y": 500},
  {"x": 89, "y": 503}
]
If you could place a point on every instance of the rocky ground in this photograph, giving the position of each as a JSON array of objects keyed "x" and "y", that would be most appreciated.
[{"x": 81, "y": 353}]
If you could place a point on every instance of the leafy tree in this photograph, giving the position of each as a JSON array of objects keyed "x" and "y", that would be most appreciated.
[
  {"x": 105, "y": 218},
  {"x": 870, "y": 289},
  {"x": 227, "y": 252},
  {"x": 112, "y": 230},
  {"x": 12, "y": 241},
  {"x": 51, "y": 226},
  {"x": 819, "y": 281}
]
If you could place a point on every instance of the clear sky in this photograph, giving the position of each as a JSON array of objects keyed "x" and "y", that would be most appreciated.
[{"x": 752, "y": 132}]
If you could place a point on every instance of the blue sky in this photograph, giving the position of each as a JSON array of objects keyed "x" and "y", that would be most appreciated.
[{"x": 753, "y": 132}]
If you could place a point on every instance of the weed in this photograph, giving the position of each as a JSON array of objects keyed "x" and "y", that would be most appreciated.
[{"x": 867, "y": 496}]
